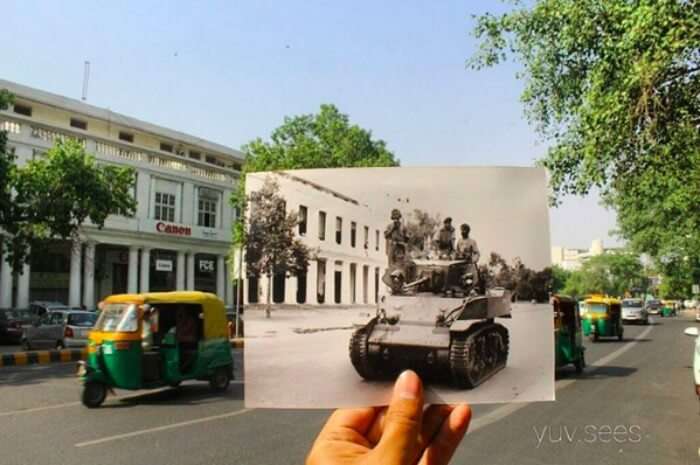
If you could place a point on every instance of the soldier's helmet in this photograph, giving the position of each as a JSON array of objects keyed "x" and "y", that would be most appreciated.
[
  {"x": 448, "y": 220},
  {"x": 465, "y": 227},
  {"x": 395, "y": 214}
]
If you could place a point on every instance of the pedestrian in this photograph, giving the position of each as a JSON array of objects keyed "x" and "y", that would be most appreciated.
[{"x": 401, "y": 434}]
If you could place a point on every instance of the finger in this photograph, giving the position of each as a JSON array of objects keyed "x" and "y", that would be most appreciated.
[
  {"x": 375, "y": 431},
  {"x": 443, "y": 446},
  {"x": 433, "y": 418},
  {"x": 358, "y": 420},
  {"x": 402, "y": 425}
]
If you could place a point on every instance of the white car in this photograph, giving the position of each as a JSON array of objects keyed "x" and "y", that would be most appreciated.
[
  {"x": 693, "y": 331},
  {"x": 633, "y": 311}
]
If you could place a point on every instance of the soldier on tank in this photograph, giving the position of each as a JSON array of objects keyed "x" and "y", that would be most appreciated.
[
  {"x": 466, "y": 246},
  {"x": 446, "y": 240},
  {"x": 396, "y": 236}
]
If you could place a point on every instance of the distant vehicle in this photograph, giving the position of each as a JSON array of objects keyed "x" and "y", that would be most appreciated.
[
  {"x": 668, "y": 308},
  {"x": 693, "y": 331},
  {"x": 59, "y": 329},
  {"x": 653, "y": 306},
  {"x": 10, "y": 326},
  {"x": 603, "y": 318},
  {"x": 633, "y": 311},
  {"x": 690, "y": 303},
  {"x": 697, "y": 314},
  {"x": 38, "y": 308}
]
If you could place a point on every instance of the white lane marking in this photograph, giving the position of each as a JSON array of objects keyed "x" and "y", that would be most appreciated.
[
  {"x": 38, "y": 409},
  {"x": 509, "y": 409},
  {"x": 117, "y": 437}
]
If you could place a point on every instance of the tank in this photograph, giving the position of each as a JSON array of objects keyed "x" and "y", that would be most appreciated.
[{"x": 437, "y": 321}]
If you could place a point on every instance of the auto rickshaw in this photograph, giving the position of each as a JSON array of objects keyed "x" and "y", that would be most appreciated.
[
  {"x": 145, "y": 341},
  {"x": 603, "y": 318},
  {"x": 668, "y": 308},
  {"x": 568, "y": 340}
]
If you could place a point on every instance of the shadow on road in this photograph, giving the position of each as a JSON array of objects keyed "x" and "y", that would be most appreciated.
[
  {"x": 194, "y": 394},
  {"x": 594, "y": 373}
]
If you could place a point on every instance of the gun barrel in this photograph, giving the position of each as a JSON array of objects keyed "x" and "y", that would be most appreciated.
[{"x": 417, "y": 282}]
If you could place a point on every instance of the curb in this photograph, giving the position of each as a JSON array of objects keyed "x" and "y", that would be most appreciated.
[
  {"x": 42, "y": 357},
  {"x": 237, "y": 343}
]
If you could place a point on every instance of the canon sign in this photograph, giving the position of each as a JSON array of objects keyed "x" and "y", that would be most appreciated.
[{"x": 173, "y": 229}]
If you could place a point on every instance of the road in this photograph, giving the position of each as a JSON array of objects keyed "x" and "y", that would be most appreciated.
[{"x": 639, "y": 389}]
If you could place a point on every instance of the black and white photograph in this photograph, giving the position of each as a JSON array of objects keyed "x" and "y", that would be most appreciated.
[{"x": 354, "y": 275}]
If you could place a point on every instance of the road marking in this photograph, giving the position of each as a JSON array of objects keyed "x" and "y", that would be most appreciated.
[
  {"x": 38, "y": 409},
  {"x": 509, "y": 409},
  {"x": 117, "y": 437}
]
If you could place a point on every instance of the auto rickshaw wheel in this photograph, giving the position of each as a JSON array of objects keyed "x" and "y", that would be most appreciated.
[
  {"x": 220, "y": 380},
  {"x": 94, "y": 394},
  {"x": 580, "y": 363}
]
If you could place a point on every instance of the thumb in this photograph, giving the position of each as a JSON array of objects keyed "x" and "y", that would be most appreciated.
[{"x": 402, "y": 424}]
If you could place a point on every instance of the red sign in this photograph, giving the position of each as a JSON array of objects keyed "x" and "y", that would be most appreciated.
[{"x": 173, "y": 229}]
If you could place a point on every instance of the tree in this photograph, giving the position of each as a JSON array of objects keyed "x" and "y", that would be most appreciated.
[
  {"x": 559, "y": 278},
  {"x": 421, "y": 227},
  {"x": 271, "y": 247},
  {"x": 613, "y": 86},
  {"x": 323, "y": 140},
  {"x": 614, "y": 274},
  {"x": 53, "y": 196}
]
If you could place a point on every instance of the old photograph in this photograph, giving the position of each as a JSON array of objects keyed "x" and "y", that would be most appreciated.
[{"x": 353, "y": 275}]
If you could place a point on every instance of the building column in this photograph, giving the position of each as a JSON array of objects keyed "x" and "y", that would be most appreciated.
[
  {"x": 180, "y": 271},
  {"x": 133, "y": 274},
  {"x": 23, "y": 287},
  {"x": 76, "y": 254},
  {"x": 190, "y": 272},
  {"x": 220, "y": 276},
  {"x": 89, "y": 276},
  {"x": 345, "y": 294},
  {"x": 5, "y": 280},
  {"x": 290, "y": 289},
  {"x": 330, "y": 282},
  {"x": 262, "y": 289},
  {"x": 145, "y": 269},
  {"x": 311, "y": 284},
  {"x": 228, "y": 281}
]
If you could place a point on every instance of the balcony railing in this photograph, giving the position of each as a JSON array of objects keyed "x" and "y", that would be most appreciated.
[{"x": 115, "y": 150}]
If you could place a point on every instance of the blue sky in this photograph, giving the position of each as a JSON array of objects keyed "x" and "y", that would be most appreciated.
[{"x": 230, "y": 71}]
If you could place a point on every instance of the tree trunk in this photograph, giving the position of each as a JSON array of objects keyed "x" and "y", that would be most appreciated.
[{"x": 268, "y": 307}]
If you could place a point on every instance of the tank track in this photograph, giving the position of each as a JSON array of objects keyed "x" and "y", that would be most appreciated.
[
  {"x": 359, "y": 352},
  {"x": 478, "y": 353}
]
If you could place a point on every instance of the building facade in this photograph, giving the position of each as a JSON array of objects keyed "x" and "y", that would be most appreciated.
[
  {"x": 347, "y": 243},
  {"x": 180, "y": 235},
  {"x": 572, "y": 259}
]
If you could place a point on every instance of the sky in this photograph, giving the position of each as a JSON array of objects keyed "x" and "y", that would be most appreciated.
[{"x": 230, "y": 71}]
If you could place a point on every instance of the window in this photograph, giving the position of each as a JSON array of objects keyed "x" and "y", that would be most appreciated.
[
  {"x": 23, "y": 109},
  {"x": 208, "y": 206},
  {"x": 322, "y": 225},
  {"x": 353, "y": 233},
  {"x": 302, "y": 220},
  {"x": 195, "y": 155},
  {"x": 212, "y": 160},
  {"x": 78, "y": 123},
  {"x": 366, "y": 238},
  {"x": 56, "y": 319},
  {"x": 376, "y": 245},
  {"x": 338, "y": 230},
  {"x": 165, "y": 147},
  {"x": 165, "y": 207},
  {"x": 126, "y": 137}
]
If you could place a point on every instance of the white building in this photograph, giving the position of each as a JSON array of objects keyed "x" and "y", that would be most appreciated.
[
  {"x": 572, "y": 259},
  {"x": 180, "y": 235},
  {"x": 347, "y": 240}
]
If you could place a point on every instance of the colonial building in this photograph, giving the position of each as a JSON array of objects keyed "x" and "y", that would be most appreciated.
[
  {"x": 572, "y": 259},
  {"x": 180, "y": 235},
  {"x": 347, "y": 242}
]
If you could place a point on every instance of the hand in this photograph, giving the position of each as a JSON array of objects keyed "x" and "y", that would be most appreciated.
[{"x": 402, "y": 434}]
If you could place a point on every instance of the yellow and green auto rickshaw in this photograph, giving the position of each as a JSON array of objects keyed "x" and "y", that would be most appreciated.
[
  {"x": 568, "y": 340},
  {"x": 143, "y": 341},
  {"x": 603, "y": 317},
  {"x": 668, "y": 308}
]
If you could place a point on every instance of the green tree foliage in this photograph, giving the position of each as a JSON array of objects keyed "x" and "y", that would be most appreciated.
[
  {"x": 57, "y": 193},
  {"x": 271, "y": 246},
  {"x": 559, "y": 278},
  {"x": 615, "y": 274},
  {"x": 323, "y": 140},
  {"x": 613, "y": 86},
  {"x": 526, "y": 284}
]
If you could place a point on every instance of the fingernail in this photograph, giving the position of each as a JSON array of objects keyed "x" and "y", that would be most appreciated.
[{"x": 408, "y": 385}]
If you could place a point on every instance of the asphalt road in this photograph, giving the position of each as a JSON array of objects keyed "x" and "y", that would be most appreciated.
[{"x": 634, "y": 405}]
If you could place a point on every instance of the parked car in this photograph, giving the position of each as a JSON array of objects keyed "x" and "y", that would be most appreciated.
[
  {"x": 690, "y": 303},
  {"x": 38, "y": 308},
  {"x": 10, "y": 327},
  {"x": 633, "y": 311},
  {"x": 693, "y": 331},
  {"x": 653, "y": 307},
  {"x": 59, "y": 329}
]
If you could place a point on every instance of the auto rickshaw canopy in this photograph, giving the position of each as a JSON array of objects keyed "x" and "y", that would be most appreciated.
[{"x": 213, "y": 311}]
